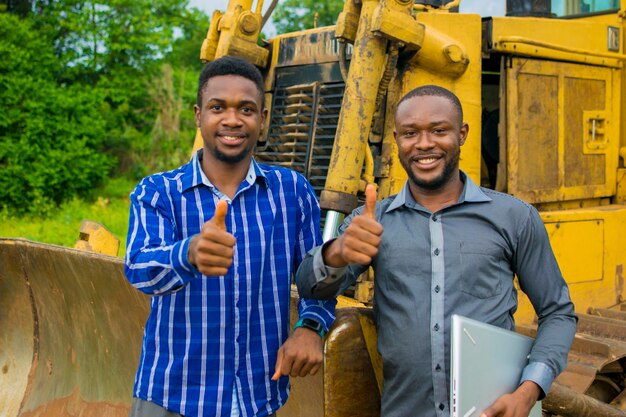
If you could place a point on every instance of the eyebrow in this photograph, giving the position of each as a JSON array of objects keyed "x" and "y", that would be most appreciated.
[
  {"x": 431, "y": 124},
  {"x": 241, "y": 103}
]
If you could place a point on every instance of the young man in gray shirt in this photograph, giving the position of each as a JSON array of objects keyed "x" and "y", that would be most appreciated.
[{"x": 448, "y": 247}]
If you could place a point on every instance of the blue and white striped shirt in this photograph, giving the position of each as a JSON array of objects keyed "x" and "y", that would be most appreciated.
[{"x": 207, "y": 336}]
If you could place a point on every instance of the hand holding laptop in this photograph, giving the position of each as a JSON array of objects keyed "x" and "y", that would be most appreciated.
[
  {"x": 517, "y": 404},
  {"x": 486, "y": 368}
]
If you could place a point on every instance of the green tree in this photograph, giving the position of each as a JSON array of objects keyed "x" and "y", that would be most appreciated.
[
  {"x": 51, "y": 136},
  {"x": 294, "y": 15},
  {"x": 86, "y": 88}
]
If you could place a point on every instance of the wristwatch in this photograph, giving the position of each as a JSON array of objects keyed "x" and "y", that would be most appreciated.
[{"x": 311, "y": 324}]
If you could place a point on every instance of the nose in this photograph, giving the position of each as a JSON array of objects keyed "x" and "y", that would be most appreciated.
[
  {"x": 424, "y": 141},
  {"x": 231, "y": 118}
]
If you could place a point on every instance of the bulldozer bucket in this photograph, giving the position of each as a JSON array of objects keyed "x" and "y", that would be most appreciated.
[{"x": 70, "y": 332}]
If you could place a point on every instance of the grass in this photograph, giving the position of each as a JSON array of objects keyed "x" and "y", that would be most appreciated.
[{"x": 62, "y": 227}]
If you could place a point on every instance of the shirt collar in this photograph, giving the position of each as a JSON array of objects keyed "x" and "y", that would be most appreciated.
[
  {"x": 194, "y": 176},
  {"x": 471, "y": 193}
]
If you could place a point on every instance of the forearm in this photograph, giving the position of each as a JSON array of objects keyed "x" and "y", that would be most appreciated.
[
  {"x": 555, "y": 333},
  {"x": 159, "y": 270},
  {"x": 548, "y": 356},
  {"x": 317, "y": 280}
]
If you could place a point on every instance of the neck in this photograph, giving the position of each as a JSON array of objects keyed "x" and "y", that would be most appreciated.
[
  {"x": 440, "y": 198},
  {"x": 224, "y": 175}
]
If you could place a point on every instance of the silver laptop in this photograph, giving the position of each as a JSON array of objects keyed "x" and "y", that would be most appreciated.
[{"x": 485, "y": 363}]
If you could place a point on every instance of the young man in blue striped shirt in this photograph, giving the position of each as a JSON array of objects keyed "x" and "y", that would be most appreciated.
[{"x": 215, "y": 243}]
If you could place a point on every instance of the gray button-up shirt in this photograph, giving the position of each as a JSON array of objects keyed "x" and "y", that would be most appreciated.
[{"x": 459, "y": 260}]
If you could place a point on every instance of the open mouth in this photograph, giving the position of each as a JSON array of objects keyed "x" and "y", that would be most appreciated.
[
  {"x": 232, "y": 139},
  {"x": 426, "y": 162}
]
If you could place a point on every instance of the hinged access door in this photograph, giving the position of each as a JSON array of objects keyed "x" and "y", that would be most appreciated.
[{"x": 561, "y": 130}]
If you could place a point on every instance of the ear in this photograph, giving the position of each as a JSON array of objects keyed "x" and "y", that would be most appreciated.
[
  {"x": 463, "y": 133},
  {"x": 196, "y": 112}
]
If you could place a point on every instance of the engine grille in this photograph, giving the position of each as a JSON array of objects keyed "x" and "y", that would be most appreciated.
[{"x": 302, "y": 129}]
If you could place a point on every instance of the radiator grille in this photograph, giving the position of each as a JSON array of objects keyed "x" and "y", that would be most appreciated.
[{"x": 302, "y": 129}]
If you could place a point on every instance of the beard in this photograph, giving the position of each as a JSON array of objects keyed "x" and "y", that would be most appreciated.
[
  {"x": 449, "y": 169},
  {"x": 231, "y": 159}
]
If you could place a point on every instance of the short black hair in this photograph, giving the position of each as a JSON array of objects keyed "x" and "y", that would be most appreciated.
[
  {"x": 230, "y": 65},
  {"x": 434, "y": 90}
]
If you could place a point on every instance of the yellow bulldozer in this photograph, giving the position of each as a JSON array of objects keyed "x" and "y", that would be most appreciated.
[{"x": 543, "y": 89}]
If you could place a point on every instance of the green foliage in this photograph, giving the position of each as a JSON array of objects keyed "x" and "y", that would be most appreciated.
[
  {"x": 294, "y": 15},
  {"x": 92, "y": 89},
  {"x": 51, "y": 136}
]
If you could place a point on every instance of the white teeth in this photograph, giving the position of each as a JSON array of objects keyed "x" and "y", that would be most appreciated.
[
  {"x": 426, "y": 160},
  {"x": 231, "y": 138}
]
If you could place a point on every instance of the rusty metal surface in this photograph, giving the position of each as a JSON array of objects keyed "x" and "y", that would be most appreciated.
[
  {"x": 559, "y": 95},
  {"x": 596, "y": 366},
  {"x": 71, "y": 332},
  {"x": 350, "y": 387},
  {"x": 568, "y": 403}
]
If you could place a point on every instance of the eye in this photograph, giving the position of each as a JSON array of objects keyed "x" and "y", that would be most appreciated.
[
  {"x": 247, "y": 110},
  {"x": 439, "y": 131},
  {"x": 409, "y": 133},
  {"x": 216, "y": 107}
]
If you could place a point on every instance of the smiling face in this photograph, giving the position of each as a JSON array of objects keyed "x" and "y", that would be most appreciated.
[
  {"x": 231, "y": 119},
  {"x": 429, "y": 133}
]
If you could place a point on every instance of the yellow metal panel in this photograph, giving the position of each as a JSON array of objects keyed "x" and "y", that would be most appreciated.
[
  {"x": 581, "y": 98},
  {"x": 590, "y": 246},
  {"x": 621, "y": 186},
  {"x": 571, "y": 40},
  {"x": 537, "y": 170},
  {"x": 550, "y": 107},
  {"x": 579, "y": 248}
]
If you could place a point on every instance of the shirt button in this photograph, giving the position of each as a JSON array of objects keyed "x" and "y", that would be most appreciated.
[
  {"x": 436, "y": 327},
  {"x": 437, "y": 288},
  {"x": 441, "y": 406},
  {"x": 434, "y": 218},
  {"x": 437, "y": 252},
  {"x": 438, "y": 368}
]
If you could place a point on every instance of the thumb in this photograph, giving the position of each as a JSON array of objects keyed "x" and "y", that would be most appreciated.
[
  {"x": 279, "y": 364},
  {"x": 221, "y": 209},
  {"x": 370, "y": 201}
]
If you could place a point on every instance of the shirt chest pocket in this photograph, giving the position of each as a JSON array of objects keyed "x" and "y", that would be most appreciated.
[{"x": 482, "y": 271}]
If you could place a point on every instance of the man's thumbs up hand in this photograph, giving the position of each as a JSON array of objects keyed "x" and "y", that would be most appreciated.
[
  {"x": 360, "y": 242},
  {"x": 370, "y": 201},
  {"x": 211, "y": 251},
  {"x": 219, "y": 218}
]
